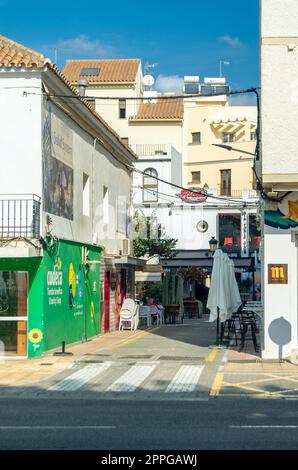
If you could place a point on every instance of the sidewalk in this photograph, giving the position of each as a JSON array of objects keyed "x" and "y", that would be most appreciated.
[
  {"x": 192, "y": 338},
  {"x": 28, "y": 371}
]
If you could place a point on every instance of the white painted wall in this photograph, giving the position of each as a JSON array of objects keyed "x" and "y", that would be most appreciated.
[
  {"x": 104, "y": 170},
  {"x": 20, "y": 129},
  {"x": 280, "y": 300},
  {"x": 279, "y": 18},
  {"x": 279, "y": 110},
  {"x": 168, "y": 167},
  {"x": 279, "y": 69},
  {"x": 21, "y": 163},
  {"x": 279, "y": 113},
  {"x": 180, "y": 222}
]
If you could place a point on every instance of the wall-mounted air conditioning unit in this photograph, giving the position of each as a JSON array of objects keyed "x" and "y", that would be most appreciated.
[{"x": 125, "y": 247}]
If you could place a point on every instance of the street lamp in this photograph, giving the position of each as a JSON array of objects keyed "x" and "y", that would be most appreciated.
[
  {"x": 213, "y": 245},
  {"x": 230, "y": 148}
]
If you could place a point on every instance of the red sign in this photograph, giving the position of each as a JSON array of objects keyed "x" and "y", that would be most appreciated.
[{"x": 189, "y": 195}]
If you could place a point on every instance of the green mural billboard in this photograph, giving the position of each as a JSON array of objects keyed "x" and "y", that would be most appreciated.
[
  {"x": 72, "y": 293},
  {"x": 63, "y": 296}
]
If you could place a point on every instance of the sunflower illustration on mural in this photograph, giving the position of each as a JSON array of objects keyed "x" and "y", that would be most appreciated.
[
  {"x": 35, "y": 336},
  {"x": 72, "y": 285},
  {"x": 92, "y": 310}
]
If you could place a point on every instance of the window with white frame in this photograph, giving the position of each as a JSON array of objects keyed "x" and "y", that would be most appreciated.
[
  {"x": 228, "y": 137},
  {"x": 86, "y": 195},
  {"x": 150, "y": 185},
  {"x": 105, "y": 205},
  {"x": 196, "y": 177},
  {"x": 253, "y": 136},
  {"x": 196, "y": 137},
  {"x": 122, "y": 109}
]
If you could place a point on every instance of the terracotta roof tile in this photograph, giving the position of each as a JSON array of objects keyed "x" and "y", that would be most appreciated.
[
  {"x": 164, "y": 109},
  {"x": 14, "y": 54},
  {"x": 110, "y": 70},
  {"x": 60, "y": 74}
]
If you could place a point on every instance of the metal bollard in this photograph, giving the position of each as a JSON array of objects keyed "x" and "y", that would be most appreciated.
[{"x": 63, "y": 352}]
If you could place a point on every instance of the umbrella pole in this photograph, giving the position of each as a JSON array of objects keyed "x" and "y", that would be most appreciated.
[
  {"x": 218, "y": 343},
  {"x": 217, "y": 328}
]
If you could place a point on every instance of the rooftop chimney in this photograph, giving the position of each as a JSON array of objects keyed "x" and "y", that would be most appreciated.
[{"x": 83, "y": 84}]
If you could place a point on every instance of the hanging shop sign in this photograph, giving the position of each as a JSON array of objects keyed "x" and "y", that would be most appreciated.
[
  {"x": 277, "y": 274},
  {"x": 193, "y": 195}
]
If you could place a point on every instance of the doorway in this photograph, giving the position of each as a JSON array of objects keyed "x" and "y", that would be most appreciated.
[
  {"x": 123, "y": 284},
  {"x": 13, "y": 313},
  {"x": 107, "y": 292},
  {"x": 225, "y": 183}
]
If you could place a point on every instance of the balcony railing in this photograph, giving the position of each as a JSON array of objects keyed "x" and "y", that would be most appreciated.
[
  {"x": 244, "y": 193},
  {"x": 146, "y": 150},
  {"x": 19, "y": 215},
  {"x": 235, "y": 193}
]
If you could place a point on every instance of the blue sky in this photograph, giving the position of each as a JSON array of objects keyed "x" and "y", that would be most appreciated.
[{"x": 183, "y": 38}]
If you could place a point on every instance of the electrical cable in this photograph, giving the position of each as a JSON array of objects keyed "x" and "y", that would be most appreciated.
[
  {"x": 162, "y": 97},
  {"x": 184, "y": 97},
  {"x": 238, "y": 203},
  {"x": 196, "y": 191}
]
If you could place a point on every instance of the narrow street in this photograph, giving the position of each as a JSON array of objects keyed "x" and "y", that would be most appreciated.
[{"x": 160, "y": 389}]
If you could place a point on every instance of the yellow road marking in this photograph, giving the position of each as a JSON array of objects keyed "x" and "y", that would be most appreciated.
[
  {"x": 217, "y": 384},
  {"x": 251, "y": 389},
  {"x": 212, "y": 355},
  {"x": 248, "y": 382},
  {"x": 273, "y": 377},
  {"x": 135, "y": 338}
]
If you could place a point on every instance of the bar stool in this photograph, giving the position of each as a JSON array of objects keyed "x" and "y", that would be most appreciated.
[{"x": 248, "y": 319}]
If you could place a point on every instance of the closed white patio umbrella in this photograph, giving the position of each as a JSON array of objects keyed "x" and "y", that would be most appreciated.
[{"x": 224, "y": 298}]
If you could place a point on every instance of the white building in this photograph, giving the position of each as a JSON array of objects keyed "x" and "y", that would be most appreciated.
[
  {"x": 159, "y": 128},
  {"x": 279, "y": 138},
  {"x": 65, "y": 209}
]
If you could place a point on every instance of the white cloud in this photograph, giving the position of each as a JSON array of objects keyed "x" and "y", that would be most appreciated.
[
  {"x": 170, "y": 83},
  {"x": 82, "y": 45},
  {"x": 233, "y": 42}
]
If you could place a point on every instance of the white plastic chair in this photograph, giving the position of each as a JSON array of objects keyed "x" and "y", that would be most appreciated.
[
  {"x": 161, "y": 313},
  {"x": 144, "y": 313},
  {"x": 129, "y": 314},
  {"x": 154, "y": 311}
]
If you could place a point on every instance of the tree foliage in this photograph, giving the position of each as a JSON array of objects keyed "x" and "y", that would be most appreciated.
[
  {"x": 150, "y": 238},
  {"x": 193, "y": 273}
]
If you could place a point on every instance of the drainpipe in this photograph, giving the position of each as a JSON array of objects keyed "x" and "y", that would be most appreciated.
[{"x": 94, "y": 240}]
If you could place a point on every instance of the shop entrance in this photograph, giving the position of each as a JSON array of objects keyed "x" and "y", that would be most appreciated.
[
  {"x": 13, "y": 313},
  {"x": 107, "y": 294}
]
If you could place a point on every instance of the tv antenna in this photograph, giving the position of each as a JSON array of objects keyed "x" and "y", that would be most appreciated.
[{"x": 148, "y": 67}]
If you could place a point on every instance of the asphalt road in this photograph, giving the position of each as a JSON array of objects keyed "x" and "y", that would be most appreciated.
[
  {"x": 87, "y": 414},
  {"x": 123, "y": 424}
]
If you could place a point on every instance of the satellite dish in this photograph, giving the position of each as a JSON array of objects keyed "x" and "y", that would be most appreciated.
[{"x": 148, "y": 80}]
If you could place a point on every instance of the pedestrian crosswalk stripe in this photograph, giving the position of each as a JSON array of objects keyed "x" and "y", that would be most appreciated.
[
  {"x": 132, "y": 379},
  {"x": 80, "y": 378},
  {"x": 186, "y": 379}
]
